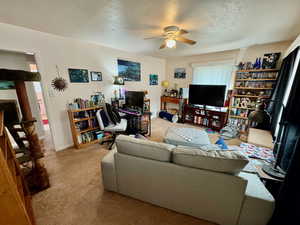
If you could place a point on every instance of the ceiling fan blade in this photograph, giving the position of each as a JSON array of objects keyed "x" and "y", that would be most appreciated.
[
  {"x": 185, "y": 40},
  {"x": 181, "y": 32},
  {"x": 155, "y": 37},
  {"x": 163, "y": 45}
]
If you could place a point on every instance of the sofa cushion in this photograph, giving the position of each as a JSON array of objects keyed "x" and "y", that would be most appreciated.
[
  {"x": 231, "y": 162},
  {"x": 144, "y": 148}
]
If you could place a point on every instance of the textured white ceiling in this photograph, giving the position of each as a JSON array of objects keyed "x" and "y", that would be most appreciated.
[{"x": 123, "y": 24}]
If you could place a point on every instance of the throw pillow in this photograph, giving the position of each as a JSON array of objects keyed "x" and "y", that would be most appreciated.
[{"x": 222, "y": 143}]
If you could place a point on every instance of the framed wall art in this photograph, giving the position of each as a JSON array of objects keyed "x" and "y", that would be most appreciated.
[
  {"x": 96, "y": 76},
  {"x": 130, "y": 71},
  {"x": 153, "y": 79},
  {"x": 79, "y": 75},
  {"x": 179, "y": 73}
]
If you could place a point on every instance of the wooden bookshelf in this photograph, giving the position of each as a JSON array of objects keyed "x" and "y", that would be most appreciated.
[
  {"x": 77, "y": 133},
  {"x": 215, "y": 120},
  {"x": 249, "y": 86}
]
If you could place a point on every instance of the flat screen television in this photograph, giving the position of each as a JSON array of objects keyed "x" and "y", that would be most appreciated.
[
  {"x": 212, "y": 95},
  {"x": 134, "y": 100}
]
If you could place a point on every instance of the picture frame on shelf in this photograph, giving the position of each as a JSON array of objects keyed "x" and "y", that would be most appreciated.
[{"x": 96, "y": 76}]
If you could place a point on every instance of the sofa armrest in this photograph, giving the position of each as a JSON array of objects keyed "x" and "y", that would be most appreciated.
[
  {"x": 258, "y": 204},
  {"x": 109, "y": 172}
]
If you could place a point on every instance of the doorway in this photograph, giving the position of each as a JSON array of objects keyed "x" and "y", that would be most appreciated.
[
  {"x": 47, "y": 139},
  {"x": 27, "y": 62}
]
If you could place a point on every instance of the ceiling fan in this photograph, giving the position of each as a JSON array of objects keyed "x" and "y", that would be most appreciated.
[{"x": 171, "y": 35}]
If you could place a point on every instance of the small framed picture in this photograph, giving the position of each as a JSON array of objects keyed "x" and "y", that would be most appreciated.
[
  {"x": 179, "y": 73},
  {"x": 153, "y": 79},
  {"x": 270, "y": 60},
  {"x": 96, "y": 76}
]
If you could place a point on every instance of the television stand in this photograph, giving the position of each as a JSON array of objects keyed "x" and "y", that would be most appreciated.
[{"x": 202, "y": 116}]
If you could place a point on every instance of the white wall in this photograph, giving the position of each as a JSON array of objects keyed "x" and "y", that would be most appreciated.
[
  {"x": 51, "y": 50},
  {"x": 246, "y": 54},
  {"x": 19, "y": 61}
]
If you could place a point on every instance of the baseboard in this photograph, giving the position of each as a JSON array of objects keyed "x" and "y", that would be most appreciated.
[{"x": 65, "y": 147}]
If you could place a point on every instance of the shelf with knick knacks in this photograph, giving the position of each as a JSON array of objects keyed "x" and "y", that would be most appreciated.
[{"x": 250, "y": 86}]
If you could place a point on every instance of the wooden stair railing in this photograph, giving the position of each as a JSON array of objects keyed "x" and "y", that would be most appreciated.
[{"x": 15, "y": 198}]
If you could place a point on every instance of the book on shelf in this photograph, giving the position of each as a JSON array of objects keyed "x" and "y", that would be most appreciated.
[
  {"x": 90, "y": 136},
  {"x": 257, "y": 75},
  {"x": 82, "y": 104},
  {"x": 216, "y": 123},
  {"x": 240, "y": 123},
  {"x": 240, "y": 112},
  {"x": 85, "y": 114},
  {"x": 86, "y": 124},
  {"x": 200, "y": 112},
  {"x": 201, "y": 121},
  {"x": 254, "y": 84}
]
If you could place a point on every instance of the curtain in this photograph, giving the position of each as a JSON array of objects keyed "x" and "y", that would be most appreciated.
[
  {"x": 213, "y": 75},
  {"x": 287, "y": 202},
  {"x": 288, "y": 154},
  {"x": 277, "y": 97},
  {"x": 293, "y": 103}
]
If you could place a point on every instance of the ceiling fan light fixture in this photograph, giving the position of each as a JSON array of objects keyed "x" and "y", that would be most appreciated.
[{"x": 171, "y": 43}]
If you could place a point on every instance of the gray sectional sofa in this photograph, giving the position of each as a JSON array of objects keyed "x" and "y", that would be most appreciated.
[{"x": 207, "y": 185}]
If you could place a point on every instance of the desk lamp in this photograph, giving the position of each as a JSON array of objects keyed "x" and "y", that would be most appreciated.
[
  {"x": 165, "y": 84},
  {"x": 260, "y": 118}
]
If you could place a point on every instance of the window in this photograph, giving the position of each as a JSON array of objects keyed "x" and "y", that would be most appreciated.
[{"x": 213, "y": 75}]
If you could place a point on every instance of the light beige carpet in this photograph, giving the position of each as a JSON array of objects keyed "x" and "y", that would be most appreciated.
[{"x": 76, "y": 195}]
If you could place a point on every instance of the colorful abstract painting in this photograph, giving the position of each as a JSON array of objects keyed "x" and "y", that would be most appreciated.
[{"x": 130, "y": 71}]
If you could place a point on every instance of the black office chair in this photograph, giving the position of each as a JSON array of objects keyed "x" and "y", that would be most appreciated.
[{"x": 115, "y": 129}]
